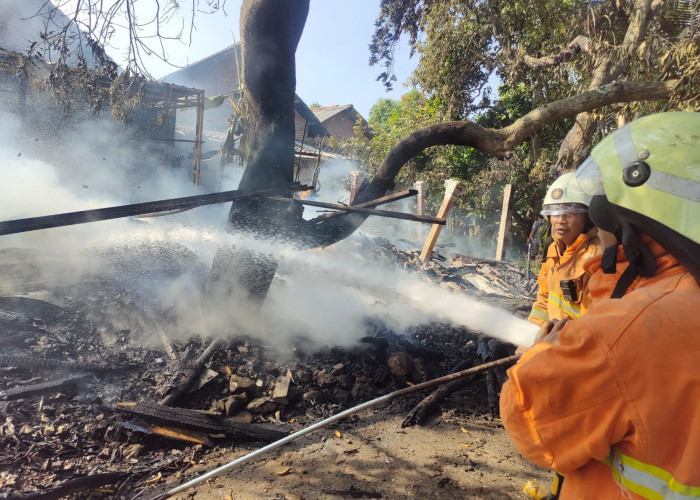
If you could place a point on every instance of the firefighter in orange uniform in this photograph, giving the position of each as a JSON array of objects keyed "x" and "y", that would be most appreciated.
[
  {"x": 562, "y": 280},
  {"x": 611, "y": 400}
]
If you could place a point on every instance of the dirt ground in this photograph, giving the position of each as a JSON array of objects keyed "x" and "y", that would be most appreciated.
[{"x": 371, "y": 456}]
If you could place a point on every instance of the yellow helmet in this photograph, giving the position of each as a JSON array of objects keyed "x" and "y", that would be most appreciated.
[
  {"x": 645, "y": 178},
  {"x": 565, "y": 196},
  {"x": 651, "y": 166}
]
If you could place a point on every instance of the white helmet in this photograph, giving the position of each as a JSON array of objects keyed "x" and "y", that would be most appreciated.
[{"x": 565, "y": 196}]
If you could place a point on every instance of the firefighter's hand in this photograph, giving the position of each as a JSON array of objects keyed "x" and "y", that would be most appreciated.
[{"x": 549, "y": 332}]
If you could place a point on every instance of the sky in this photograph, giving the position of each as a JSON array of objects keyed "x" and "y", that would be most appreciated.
[{"x": 332, "y": 57}]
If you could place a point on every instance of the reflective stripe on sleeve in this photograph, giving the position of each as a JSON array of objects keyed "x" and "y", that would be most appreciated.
[
  {"x": 573, "y": 310},
  {"x": 647, "y": 480},
  {"x": 538, "y": 313}
]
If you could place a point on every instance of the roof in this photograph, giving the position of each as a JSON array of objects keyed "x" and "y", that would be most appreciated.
[
  {"x": 218, "y": 74},
  {"x": 340, "y": 120},
  {"x": 327, "y": 112}
]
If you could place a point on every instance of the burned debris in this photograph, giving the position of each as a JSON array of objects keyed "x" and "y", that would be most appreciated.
[{"x": 82, "y": 397}]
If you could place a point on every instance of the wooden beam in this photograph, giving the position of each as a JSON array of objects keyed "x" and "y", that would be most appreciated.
[
  {"x": 149, "y": 207},
  {"x": 380, "y": 201},
  {"x": 198, "y": 138},
  {"x": 504, "y": 227},
  {"x": 368, "y": 211},
  {"x": 453, "y": 188},
  {"x": 281, "y": 392}
]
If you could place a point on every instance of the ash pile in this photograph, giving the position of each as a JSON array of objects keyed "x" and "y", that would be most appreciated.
[{"x": 88, "y": 409}]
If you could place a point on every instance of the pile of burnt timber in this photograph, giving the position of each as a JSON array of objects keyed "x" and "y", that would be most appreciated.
[
  {"x": 84, "y": 405},
  {"x": 485, "y": 278}
]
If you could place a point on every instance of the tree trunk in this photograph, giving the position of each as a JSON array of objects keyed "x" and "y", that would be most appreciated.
[
  {"x": 577, "y": 144},
  {"x": 270, "y": 33}
]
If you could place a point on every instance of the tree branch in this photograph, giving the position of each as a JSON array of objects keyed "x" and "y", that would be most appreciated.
[
  {"x": 578, "y": 45},
  {"x": 495, "y": 142},
  {"x": 576, "y": 145}
]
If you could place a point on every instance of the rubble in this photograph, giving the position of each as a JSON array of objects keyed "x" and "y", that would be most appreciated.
[{"x": 79, "y": 397}]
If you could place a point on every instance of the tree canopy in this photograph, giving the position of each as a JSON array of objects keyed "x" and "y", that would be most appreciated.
[{"x": 541, "y": 51}]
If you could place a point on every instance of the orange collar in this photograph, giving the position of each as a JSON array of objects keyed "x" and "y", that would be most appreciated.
[{"x": 606, "y": 282}]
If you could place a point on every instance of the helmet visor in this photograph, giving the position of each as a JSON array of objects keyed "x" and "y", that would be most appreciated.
[
  {"x": 589, "y": 178},
  {"x": 564, "y": 209}
]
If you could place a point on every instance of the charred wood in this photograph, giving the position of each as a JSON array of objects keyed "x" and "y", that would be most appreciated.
[
  {"x": 19, "y": 361},
  {"x": 190, "y": 419},
  {"x": 16, "y": 338},
  {"x": 186, "y": 378},
  {"x": 86, "y": 483},
  {"x": 419, "y": 412},
  {"x": 43, "y": 388},
  {"x": 98, "y": 214}
]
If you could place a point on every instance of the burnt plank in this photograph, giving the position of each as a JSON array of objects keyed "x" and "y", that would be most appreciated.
[
  {"x": 191, "y": 419},
  {"x": 43, "y": 388}
]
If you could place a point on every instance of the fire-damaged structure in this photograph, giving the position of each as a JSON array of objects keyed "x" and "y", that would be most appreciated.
[
  {"x": 44, "y": 95},
  {"x": 224, "y": 122},
  {"x": 86, "y": 406},
  {"x": 107, "y": 388}
]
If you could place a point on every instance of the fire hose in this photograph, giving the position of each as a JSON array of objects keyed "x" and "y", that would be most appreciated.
[{"x": 323, "y": 423}]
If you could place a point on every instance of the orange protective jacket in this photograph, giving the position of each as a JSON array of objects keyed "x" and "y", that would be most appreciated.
[
  {"x": 613, "y": 405},
  {"x": 564, "y": 264}
]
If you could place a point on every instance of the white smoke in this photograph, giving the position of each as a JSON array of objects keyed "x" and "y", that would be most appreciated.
[{"x": 325, "y": 296}]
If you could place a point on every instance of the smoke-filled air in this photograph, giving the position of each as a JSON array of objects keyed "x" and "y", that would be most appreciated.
[{"x": 324, "y": 296}]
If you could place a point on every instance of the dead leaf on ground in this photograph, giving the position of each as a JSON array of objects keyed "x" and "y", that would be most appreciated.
[
  {"x": 283, "y": 472},
  {"x": 154, "y": 479}
]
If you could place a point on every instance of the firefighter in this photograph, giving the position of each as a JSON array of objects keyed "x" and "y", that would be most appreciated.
[
  {"x": 562, "y": 281},
  {"x": 610, "y": 400}
]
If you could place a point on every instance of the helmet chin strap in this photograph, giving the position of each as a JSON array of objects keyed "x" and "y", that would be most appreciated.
[{"x": 641, "y": 260}]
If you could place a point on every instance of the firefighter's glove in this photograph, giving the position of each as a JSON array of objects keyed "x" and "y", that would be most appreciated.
[{"x": 549, "y": 332}]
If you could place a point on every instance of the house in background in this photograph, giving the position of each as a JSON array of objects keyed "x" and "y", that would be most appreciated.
[
  {"x": 25, "y": 91},
  {"x": 340, "y": 121},
  {"x": 218, "y": 75}
]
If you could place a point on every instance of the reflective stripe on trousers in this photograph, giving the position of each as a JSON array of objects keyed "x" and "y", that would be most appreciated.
[{"x": 647, "y": 480}]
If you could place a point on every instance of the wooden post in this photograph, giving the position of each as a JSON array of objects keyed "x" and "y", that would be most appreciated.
[
  {"x": 504, "y": 228},
  {"x": 198, "y": 138},
  {"x": 453, "y": 188},
  {"x": 422, "y": 187},
  {"x": 356, "y": 179}
]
